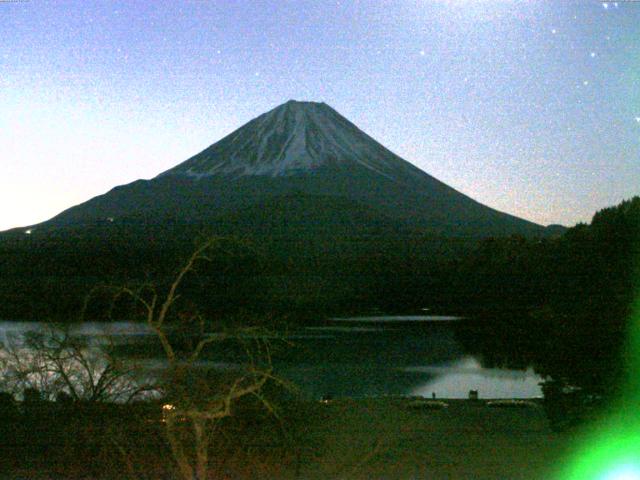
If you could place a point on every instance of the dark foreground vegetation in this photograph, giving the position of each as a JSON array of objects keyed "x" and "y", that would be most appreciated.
[{"x": 377, "y": 438}]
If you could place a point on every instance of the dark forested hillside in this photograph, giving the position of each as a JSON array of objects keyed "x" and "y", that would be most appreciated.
[{"x": 565, "y": 303}]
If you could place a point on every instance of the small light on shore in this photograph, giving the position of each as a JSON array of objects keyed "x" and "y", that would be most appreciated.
[{"x": 166, "y": 408}]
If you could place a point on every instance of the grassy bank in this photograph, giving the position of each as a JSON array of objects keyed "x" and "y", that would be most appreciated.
[{"x": 372, "y": 438}]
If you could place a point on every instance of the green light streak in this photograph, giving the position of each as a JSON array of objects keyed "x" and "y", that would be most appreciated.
[{"x": 610, "y": 449}]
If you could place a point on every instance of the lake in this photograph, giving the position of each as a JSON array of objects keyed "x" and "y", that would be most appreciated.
[{"x": 351, "y": 357}]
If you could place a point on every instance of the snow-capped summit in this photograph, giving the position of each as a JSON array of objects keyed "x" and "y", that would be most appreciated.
[{"x": 292, "y": 139}]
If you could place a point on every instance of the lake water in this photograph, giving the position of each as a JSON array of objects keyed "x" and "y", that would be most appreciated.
[{"x": 353, "y": 357}]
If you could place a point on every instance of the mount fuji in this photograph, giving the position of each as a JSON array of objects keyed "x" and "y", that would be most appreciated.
[
  {"x": 300, "y": 165},
  {"x": 316, "y": 215}
]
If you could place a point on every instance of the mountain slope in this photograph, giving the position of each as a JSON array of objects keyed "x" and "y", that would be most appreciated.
[{"x": 299, "y": 149}]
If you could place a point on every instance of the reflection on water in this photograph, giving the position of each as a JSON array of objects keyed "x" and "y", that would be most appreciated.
[
  {"x": 455, "y": 381},
  {"x": 397, "y": 318},
  {"x": 91, "y": 330},
  {"x": 355, "y": 357},
  {"x": 350, "y": 329}
]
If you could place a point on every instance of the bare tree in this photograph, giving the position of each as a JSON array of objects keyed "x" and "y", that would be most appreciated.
[
  {"x": 195, "y": 401},
  {"x": 56, "y": 363}
]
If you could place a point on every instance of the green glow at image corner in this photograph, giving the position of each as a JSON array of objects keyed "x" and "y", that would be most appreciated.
[{"x": 611, "y": 449}]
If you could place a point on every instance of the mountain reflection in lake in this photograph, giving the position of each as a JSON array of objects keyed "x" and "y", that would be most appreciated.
[{"x": 354, "y": 357}]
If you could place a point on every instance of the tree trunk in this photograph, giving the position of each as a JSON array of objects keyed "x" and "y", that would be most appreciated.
[
  {"x": 184, "y": 467},
  {"x": 202, "y": 447}
]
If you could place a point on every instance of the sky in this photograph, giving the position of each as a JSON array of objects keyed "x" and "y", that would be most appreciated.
[{"x": 530, "y": 107}]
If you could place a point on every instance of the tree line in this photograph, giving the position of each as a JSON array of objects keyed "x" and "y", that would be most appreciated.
[{"x": 560, "y": 303}]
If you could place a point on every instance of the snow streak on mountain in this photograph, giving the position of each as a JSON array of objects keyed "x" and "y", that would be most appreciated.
[{"x": 293, "y": 139}]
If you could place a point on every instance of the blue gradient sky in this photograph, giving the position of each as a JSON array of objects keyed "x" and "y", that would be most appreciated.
[{"x": 532, "y": 108}]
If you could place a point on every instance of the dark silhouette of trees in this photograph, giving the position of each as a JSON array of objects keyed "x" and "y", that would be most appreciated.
[{"x": 563, "y": 304}]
